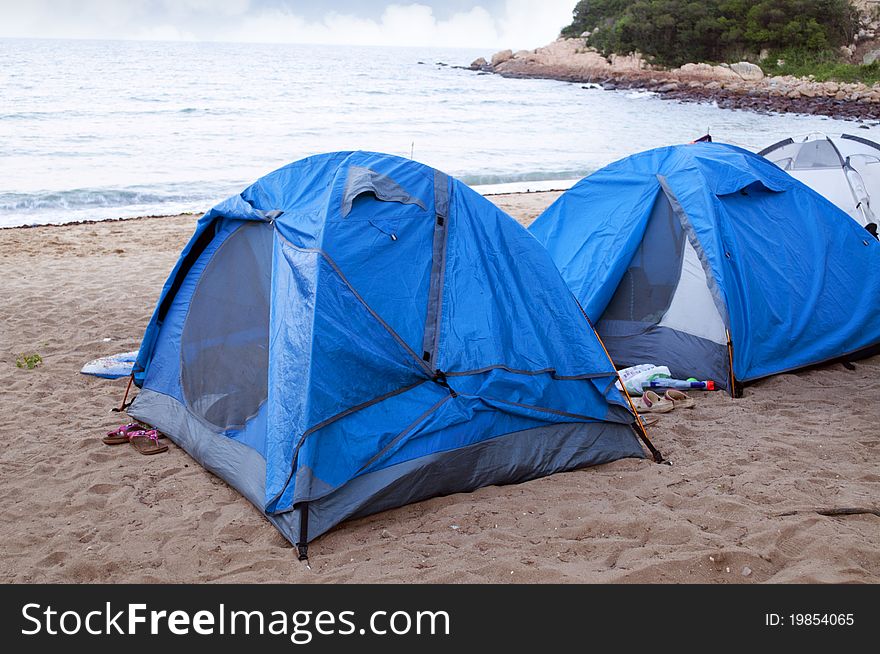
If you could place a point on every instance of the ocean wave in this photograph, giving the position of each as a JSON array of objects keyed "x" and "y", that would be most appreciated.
[
  {"x": 88, "y": 198},
  {"x": 638, "y": 95},
  {"x": 95, "y": 204},
  {"x": 157, "y": 197},
  {"x": 491, "y": 179},
  {"x": 55, "y": 115}
]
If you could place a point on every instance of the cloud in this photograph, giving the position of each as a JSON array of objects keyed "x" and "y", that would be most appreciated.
[
  {"x": 67, "y": 18},
  {"x": 402, "y": 25},
  {"x": 164, "y": 33},
  {"x": 510, "y": 23},
  {"x": 524, "y": 20}
]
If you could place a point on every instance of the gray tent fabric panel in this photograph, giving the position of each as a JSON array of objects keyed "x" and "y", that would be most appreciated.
[
  {"x": 817, "y": 154},
  {"x": 441, "y": 193},
  {"x": 512, "y": 458},
  {"x": 685, "y": 355},
  {"x": 431, "y": 336},
  {"x": 693, "y": 309},
  {"x": 509, "y": 459},
  {"x": 363, "y": 180}
]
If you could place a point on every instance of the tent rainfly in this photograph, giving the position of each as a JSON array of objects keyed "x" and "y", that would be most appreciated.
[
  {"x": 357, "y": 331},
  {"x": 712, "y": 261}
]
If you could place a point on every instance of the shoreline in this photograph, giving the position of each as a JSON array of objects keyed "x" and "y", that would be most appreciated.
[
  {"x": 744, "y": 101},
  {"x": 494, "y": 191},
  {"x": 741, "y": 85},
  {"x": 99, "y": 221}
]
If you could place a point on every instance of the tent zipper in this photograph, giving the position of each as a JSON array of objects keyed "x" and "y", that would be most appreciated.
[{"x": 431, "y": 339}]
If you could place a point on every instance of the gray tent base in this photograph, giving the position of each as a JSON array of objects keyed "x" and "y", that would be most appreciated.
[
  {"x": 685, "y": 355},
  {"x": 508, "y": 459}
]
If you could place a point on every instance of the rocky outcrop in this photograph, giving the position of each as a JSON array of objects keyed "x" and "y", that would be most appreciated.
[
  {"x": 741, "y": 85},
  {"x": 564, "y": 57},
  {"x": 500, "y": 57},
  {"x": 571, "y": 58}
]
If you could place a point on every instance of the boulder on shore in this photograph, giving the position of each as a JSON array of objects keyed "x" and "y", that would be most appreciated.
[
  {"x": 501, "y": 57},
  {"x": 749, "y": 72},
  {"x": 706, "y": 73}
]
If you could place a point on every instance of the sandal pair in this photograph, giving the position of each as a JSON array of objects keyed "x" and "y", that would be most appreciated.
[
  {"x": 650, "y": 402},
  {"x": 679, "y": 399},
  {"x": 145, "y": 441}
]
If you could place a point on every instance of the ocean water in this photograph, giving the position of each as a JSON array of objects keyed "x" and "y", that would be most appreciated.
[{"x": 93, "y": 130}]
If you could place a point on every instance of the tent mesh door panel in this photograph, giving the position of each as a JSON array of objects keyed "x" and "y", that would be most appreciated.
[
  {"x": 817, "y": 154},
  {"x": 224, "y": 348},
  {"x": 646, "y": 290}
]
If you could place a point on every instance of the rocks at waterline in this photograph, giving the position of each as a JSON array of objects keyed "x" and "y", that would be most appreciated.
[
  {"x": 671, "y": 86},
  {"x": 481, "y": 65},
  {"x": 740, "y": 85}
]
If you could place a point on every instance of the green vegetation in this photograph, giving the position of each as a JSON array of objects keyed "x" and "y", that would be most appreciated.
[
  {"x": 674, "y": 32},
  {"x": 823, "y": 66},
  {"x": 29, "y": 361}
]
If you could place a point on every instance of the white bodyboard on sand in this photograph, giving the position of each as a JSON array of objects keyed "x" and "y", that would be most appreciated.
[{"x": 112, "y": 367}]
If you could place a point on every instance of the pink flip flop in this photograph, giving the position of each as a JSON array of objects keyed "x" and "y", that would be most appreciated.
[
  {"x": 146, "y": 442},
  {"x": 121, "y": 433}
]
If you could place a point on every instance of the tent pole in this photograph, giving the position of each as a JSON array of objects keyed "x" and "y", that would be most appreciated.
[
  {"x": 730, "y": 364},
  {"x": 641, "y": 430}
]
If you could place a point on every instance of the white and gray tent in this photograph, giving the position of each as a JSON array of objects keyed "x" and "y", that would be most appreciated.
[{"x": 845, "y": 169}]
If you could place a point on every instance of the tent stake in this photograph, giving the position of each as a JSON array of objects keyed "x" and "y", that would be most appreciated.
[{"x": 122, "y": 407}]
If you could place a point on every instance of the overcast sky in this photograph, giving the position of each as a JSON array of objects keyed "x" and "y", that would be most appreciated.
[{"x": 457, "y": 23}]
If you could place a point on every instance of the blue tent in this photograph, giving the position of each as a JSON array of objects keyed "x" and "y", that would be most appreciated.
[
  {"x": 357, "y": 331},
  {"x": 700, "y": 255}
]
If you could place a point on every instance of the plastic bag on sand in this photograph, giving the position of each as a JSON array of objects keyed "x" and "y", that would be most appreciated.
[{"x": 635, "y": 375}]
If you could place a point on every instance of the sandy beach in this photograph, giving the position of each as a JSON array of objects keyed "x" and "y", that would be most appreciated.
[{"x": 75, "y": 510}]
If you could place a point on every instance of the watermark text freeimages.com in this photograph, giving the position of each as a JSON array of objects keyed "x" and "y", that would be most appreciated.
[{"x": 301, "y": 627}]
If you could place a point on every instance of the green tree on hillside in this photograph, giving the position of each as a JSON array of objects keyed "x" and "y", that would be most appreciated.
[{"x": 673, "y": 32}]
